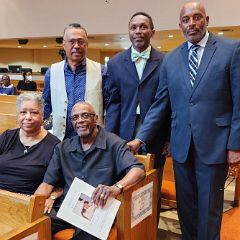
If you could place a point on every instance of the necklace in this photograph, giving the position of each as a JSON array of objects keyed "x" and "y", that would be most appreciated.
[{"x": 26, "y": 148}]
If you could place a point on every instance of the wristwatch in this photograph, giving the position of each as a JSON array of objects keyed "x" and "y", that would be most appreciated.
[
  {"x": 53, "y": 197},
  {"x": 119, "y": 186}
]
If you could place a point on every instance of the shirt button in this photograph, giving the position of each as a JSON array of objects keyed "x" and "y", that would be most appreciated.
[
  {"x": 137, "y": 101},
  {"x": 191, "y": 104},
  {"x": 65, "y": 110},
  {"x": 139, "y": 86},
  {"x": 64, "y": 117},
  {"x": 65, "y": 101}
]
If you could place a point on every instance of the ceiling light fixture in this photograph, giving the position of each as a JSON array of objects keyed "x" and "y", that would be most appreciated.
[
  {"x": 220, "y": 33},
  {"x": 44, "y": 46},
  {"x": 159, "y": 47},
  {"x": 19, "y": 46},
  {"x": 106, "y": 44},
  {"x": 170, "y": 36}
]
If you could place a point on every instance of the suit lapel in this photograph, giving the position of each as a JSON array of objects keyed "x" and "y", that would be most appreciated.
[
  {"x": 130, "y": 66},
  {"x": 184, "y": 65},
  {"x": 209, "y": 50},
  {"x": 151, "y": 64}
]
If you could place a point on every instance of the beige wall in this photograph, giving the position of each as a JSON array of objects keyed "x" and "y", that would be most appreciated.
[
  {"x": 35, "y": 18},
  {"x": 36, "y": 59}
]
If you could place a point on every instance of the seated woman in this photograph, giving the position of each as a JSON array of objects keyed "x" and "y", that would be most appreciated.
[
  {"x": 25, "y": 152},
  {"x": 27, "y": 84}
]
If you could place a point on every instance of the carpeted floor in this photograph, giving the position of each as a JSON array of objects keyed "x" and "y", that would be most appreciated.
[{"x": 231, "y": 225}]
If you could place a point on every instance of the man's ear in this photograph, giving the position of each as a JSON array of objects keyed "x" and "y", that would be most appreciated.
[
  {"x": 96, "y": 119},
  {"x": 153, "y": 32},
  {"x": 207, "y": 20}
]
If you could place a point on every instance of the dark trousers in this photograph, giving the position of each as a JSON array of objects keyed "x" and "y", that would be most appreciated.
[{"x": 200, "y": 192}]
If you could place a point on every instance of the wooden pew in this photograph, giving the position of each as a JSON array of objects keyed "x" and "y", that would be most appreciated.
[
  {"x": 22, "y": 216},
  {"x": 40, "y": 83},
  {"x": 8, "y": 121},
  {"x": 237, "y": 187},
  {"x": 21, "y": 92},
  {"x": 145, "y": 229},
  {"x": 168, "y": 191},
  {"x": 8, "y": 107},
  {"x": 8, "y": 98}
]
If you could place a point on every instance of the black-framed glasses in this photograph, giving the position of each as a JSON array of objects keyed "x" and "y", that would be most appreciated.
[
  {"x": 84, "y": 116},
  {"x": 72, "y": 42}
]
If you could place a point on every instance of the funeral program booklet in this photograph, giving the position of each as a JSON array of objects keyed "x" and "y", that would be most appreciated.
[{"x": 78, "y": 210}]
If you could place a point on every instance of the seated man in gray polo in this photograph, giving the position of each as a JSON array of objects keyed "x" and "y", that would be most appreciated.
[{"x": 99, "y": 158}]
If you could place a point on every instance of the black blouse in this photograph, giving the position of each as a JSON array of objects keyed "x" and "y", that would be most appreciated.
[
  {"x": 23, "y": 172},
  {"x": 31, "y": 86}
]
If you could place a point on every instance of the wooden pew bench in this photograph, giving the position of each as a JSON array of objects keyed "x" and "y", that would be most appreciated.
[
  {"x": 8, "y": 121},
  {"x": 8, "y": 107},
  {"x": 8, "y": 98},
  {"x": 40, "y": 83},
  {"x": 168, "y": 191},
  {"x": 22, "y": 216}
]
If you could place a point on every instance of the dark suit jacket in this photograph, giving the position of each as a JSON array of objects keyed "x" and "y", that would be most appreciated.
[
  {"x": 127, "y": 91},
  {"x": 209, "y": 112}
]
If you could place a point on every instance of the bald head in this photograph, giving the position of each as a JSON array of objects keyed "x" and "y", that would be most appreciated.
[
  {"x": 192, "y": 5},
  {"x": 193, "y": 21},
  {"x": 84, "y": 105}
]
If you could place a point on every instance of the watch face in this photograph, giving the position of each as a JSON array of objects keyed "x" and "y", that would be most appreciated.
[{"x": 53, "y": 197}]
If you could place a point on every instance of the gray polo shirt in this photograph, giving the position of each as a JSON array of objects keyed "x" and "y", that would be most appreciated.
[{"x": 105, "y": 162}]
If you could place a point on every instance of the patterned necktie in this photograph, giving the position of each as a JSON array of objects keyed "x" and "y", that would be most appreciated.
[
  {"x": 136, "y": 56},
  {"x": 193, "y": 63}
]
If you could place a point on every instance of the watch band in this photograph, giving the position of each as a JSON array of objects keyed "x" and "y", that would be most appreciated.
[{"x": 119, "y": 186}]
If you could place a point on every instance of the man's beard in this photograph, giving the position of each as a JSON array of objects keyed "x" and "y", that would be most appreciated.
[
  {"x": 84, "y": 134},
  {"x": 197, "y": 37}
]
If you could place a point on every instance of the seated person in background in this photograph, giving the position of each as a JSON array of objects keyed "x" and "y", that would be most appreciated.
[
  {"x": 27, "y": 84},
  {"x": 7, "y": 88},
  {"x": 1, "y": 82},
  {"x": 25, "y": 152},
  {"x": 99, "y": 158}
]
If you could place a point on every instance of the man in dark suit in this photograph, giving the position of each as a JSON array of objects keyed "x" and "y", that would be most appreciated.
[
  {"x": 201, "y": 84},
  {"x": 133, "y": 81}
]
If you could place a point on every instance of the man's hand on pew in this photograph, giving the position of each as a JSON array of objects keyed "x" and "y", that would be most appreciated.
[
  {"x": 166, "y": 150},
  {"x": 134, "y": 145}
]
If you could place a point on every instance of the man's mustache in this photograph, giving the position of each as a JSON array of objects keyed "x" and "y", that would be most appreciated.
[
  {"x": 192, "y": 28},
  {"x": 76, "y": 50}
]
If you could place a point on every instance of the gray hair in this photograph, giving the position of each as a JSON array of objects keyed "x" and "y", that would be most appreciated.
[
  {"x": 30, "y": 97},
  {"x": 74, "y": 25}
]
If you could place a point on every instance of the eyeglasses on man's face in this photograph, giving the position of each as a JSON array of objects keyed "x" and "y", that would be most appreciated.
[
  {"x": 84, "y": 116},
  {"x": 72, "y": 42}
]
